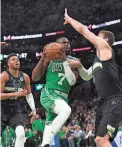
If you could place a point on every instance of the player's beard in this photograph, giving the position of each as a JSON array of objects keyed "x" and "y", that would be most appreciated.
[
  {"x": 16, "y": 68},
  {"x": 68, "y": 51}
]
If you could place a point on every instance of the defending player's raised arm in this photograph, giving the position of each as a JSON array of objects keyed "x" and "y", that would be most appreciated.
[
  {"x": 98, "y": 42},
  {"x": 40, "y": 68},
  {"x": 85, "y": 74},
  {"x": 29, "y": 96}
]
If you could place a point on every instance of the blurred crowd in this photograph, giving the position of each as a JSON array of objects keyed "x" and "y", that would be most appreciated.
[
  {"x": 80, "y": 129},
  {"x": 19, "y": 13}
]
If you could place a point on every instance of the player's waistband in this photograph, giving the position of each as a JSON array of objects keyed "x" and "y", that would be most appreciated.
[{"x": 61, "y": 93}]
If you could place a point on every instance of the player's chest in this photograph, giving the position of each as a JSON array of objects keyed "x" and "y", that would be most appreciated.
[
  {"x": 56, "y": 67},
  {"x": 15, "y": 83}
]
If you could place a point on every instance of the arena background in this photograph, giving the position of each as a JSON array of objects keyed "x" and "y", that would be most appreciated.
[{"x": 26, "y": 26}]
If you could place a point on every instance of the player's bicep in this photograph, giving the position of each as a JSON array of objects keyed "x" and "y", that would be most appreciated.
[
  {"x": 2, "y": 85},
  {"x": 98, "y": 42},
  {"x": 3, "y": 79},
  {"x": 89, "y": 35},
  {"x": 27, "y": 83}
]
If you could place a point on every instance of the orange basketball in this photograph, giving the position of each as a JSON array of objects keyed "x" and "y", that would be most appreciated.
[{"x": 52, "y": 50}]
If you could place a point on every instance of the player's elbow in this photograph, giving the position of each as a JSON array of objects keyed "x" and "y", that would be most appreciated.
[
  {"x": 35, "y": 78},
  {"x": 72, "y": 81},
  {"x": 83, "y": 29}
]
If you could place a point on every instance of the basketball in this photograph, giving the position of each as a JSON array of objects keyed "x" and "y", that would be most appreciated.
[{"x": 52, "y": 50}]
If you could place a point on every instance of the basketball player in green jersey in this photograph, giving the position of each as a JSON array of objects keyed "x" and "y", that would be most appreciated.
[{"x": 54, "y": 96}]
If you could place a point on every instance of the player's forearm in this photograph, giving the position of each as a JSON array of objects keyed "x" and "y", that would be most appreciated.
[
  {"x": 5, "y": 96},
  {"x": 30, "y": 101},
  {"x": 85, "y": 74},
  {"x": 39, "y": 70},
  {"x": 69, "y": 74},
  {"x": 79, "y": 27}
]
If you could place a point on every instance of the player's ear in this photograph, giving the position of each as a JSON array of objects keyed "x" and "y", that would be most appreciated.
[
  {"x": 106, "y": 39},
  {"x": 8, "y": 64}
]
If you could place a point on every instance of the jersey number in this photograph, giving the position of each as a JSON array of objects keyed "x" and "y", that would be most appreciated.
[{"x": 62, "y": 76}]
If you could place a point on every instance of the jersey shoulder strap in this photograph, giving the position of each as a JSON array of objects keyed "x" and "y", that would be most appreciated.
[
  {"x": 9, "y": 75},
  {"x": 21, "y": 74}
]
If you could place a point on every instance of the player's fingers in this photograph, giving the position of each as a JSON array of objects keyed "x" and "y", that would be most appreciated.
[
  {"x": 30, "y": 114},
  {"x": 66, "y": 22},
  {"x": 33, "y": 117},
  {"x": 44, "y": 53},
  {"x": 24, "y": 93},
  {"x": 69, "y": 61},
  {"x": 24, "y": 90},
  {"x": 65, "y": 10},
  {"x": 60, "y": 57}
]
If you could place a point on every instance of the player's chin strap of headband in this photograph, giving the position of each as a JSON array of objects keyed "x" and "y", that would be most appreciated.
[{"x": 30, "y": 101}]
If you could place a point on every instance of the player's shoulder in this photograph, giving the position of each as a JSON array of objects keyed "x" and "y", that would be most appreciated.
[
  {"x": 26, "y": 77},
  {"x": 4, "y": 73},
  {"x": 4, "y": 76}
]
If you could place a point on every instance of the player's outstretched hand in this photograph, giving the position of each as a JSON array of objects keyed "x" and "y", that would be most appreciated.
[
  {"x": 66, "y": 16},
  {"x": 75, "y": 64},
  {"x": 33, "y": 114},
  {"x": 20, "y": 93}
]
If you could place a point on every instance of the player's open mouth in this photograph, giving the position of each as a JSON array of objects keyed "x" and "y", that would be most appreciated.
[{"x": 67, "y": 48}]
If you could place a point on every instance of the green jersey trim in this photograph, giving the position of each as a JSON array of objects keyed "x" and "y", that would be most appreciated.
[{"x": 47, "y": 93}]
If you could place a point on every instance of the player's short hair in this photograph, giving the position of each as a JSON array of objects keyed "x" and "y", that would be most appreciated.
[
  {"x": 110, "y": 36},
  {"x": 9, "y": 56},
  {"x": 58, "y": 39}
]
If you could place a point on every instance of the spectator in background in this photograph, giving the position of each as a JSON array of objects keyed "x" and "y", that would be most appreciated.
[
  {"x": 64, "y": 138},
  {"x": 73, "y": 122},
  {"x": 8, "y": 137},
  {"x": 38, "y": 124},
  {"x": 89, "y": 136},
  {"x": 38, "y": 127},
  {"x": 76, "y": 137},
  {"x": 30, "y": 140}
]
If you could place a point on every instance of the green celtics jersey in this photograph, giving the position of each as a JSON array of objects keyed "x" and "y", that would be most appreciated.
[
  {"x": 38, "y": 125},
  {"x": 55, "y": 77}
]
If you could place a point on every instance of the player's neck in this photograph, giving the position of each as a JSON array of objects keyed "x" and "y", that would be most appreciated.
[{"x": 14, "y": 72}]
